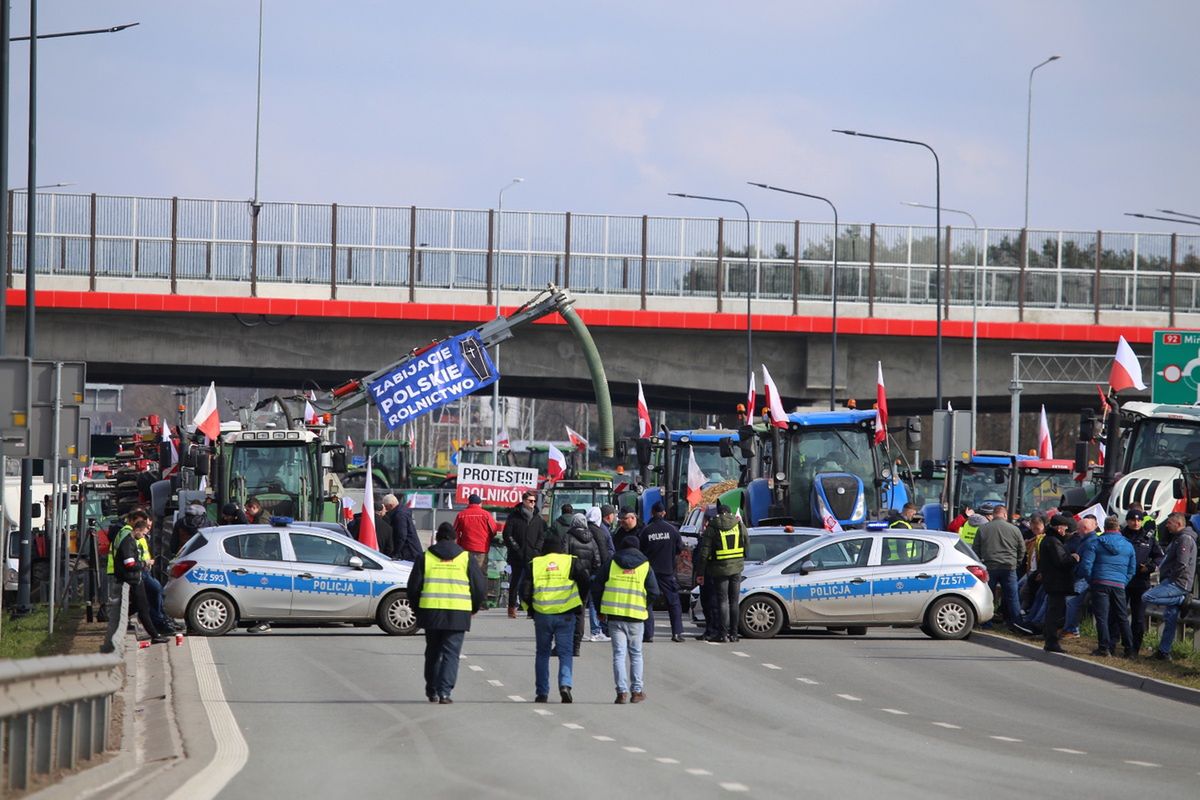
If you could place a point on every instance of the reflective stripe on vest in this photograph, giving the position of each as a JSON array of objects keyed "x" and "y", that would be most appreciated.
[
  {"x": 967, "y": 533},
  {"x": 112, "y": 548},
  {"x": 625, "y": 591},
  {"x": 447, "y": 586},
  {"x": 553, "y": 590},
  {"x": 731, "y": 544},
  {"x": 901, "y": 523}
]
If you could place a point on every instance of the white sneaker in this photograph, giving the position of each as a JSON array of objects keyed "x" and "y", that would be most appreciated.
[{"x": 600, "y": 637}]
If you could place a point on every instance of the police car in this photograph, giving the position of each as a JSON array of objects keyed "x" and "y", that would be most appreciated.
[
  {"x": 854, "y": 580},
  {"x": 285, "y": 572},
  {"x": 763, "y": 542}
]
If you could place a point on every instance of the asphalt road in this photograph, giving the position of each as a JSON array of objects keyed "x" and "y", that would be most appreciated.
[{"x": 341, "y": 712}]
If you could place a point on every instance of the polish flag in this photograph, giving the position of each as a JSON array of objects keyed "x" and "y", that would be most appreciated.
[
  {"x": 169, "y": 442},
  {"x": 349, "y": 443},
  {"x": 503, "y": 440},
  {"x": 751, "y": 400},
  {"x": 831, "y": 524},
  {"x": 556, "y": 464},
  {"x": 1126, "y": 371},
  {"x": 577, "y": 440},
  {"x": 1045, "y": 446},
  {"x": 310, "y": 414},
  {"x": 347, "y": 509},
  {"x": 645, "y": 427},
  {"x": 774, "y": 402},
  {"x": 366, "y": 522},
  {"x": 881, "y": 411},
  {"x": 1100, "y": 460},
  {"x": 695, "y": 480},
  {"x": 207, "y": 420}
]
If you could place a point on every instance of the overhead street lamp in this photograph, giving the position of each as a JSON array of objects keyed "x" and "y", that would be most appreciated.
[
  {"x": 1176, "y": 213},
  {"x": 1164, "y": 219},
  {"x": 749, "y": 282},
  {"x": 1029, "y": 131},
  {"x": 974, "y": 315},
  {"x": 833, "y": 346},
  {"x": 496, "y": 350},
  {"x": 937, "y": 281}
]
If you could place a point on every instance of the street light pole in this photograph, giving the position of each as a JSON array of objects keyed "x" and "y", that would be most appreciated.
[
  {"x": 1164, "y": 219},
  {"x": 833, "y": 347},
  {"x": 1029, "y": 131},
  {"x": 749, "y": 282},
  {"x": 937, "y": 171},
  {"x": 496, "y": 349}
]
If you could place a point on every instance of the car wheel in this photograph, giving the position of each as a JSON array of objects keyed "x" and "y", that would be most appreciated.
[
  {"x": 396, "y": 616},
  {"x": 762, "y": 617},
  {"x": 949, "y": 618},
  {"x": 856, "y": 630},
  {"x": 211, "y": 614}
]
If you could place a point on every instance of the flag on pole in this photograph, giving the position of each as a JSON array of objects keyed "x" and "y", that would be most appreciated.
[
  {"x": 1045, "y": 446},
  {"x": 695, "y": 480},
  {"x": 779, "y": 417},
  {"x": 503, "y": 440},
  {"x": 366, "y": 521},
  {"x": 310, "y": 414},
  {"x": 349, "y": 443},
  {"x": 577, "y": 440},
  {"x": 831, "y": 524},
  {"x": 751, "y": 400},
  {"x": 347, "y": 509},
  {"x": 169, "y": 442},
  {"x": 1126, "y": 372},
  {"x": 1103, "y": 449},
  {"x": 645, "y": 426},
  {"x": 881, "y": 409},
  {"x": 556, "y": 464},
  {"x": 207, "y": 420}
]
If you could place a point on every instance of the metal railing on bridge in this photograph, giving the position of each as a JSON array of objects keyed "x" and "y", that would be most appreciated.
[{"x": 409, "y": 248}]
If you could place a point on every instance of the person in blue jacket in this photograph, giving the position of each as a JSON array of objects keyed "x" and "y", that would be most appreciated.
[{"x": 1109, "y": 562}]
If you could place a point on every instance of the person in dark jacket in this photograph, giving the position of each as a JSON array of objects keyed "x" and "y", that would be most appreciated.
[
  {"x": 562, "y": 523},
  {"x": 232, "y": 514},
  {"x": 1109, "y": 563},
  {"x": 383, "y": 529},
  {"x": 1149, "y": 554},
  {"x": 580, "y": 543},
  {"x": 128, "y": 568},
  {"x": 524, "y": 534},
  {"x": 626, "y": 614},
  {"x": 721, "y": 560},
  {"x": 1056, "y": 563},
  {"x": 192, "y": 521},
  {"x": 661, "y": 543},
  {"x": 444, "y": 607},
  {"x": 1176, "y": 576},
  {"x": 603, "y": 539},
  {"x": 406, "y": 544}
]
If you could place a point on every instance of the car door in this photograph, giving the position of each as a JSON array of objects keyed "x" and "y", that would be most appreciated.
[
  {"x": 836, "y": 587},
  {"x": 905, "y": 577},
  {"x": 325, "y": 585},
  {"x": 258, "y": 578}
]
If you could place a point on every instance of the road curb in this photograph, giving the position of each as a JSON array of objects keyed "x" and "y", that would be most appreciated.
[{"x": 1121, "y": 677}]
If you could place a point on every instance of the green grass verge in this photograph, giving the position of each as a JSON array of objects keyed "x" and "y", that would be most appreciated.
[{"x": 29, "y": 636}]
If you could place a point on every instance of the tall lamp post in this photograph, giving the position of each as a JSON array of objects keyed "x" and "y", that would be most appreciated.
[
  {"x": 1164, "y": 219},
  {"x": 974, "y": 316},
  {"x": 1029, "y": 130},
  {"x": 937, "y": 281},
  {"x": 749, "y": 282},
  {"x": 833, "y": 346},
  {"x": 496, "y": 350}
]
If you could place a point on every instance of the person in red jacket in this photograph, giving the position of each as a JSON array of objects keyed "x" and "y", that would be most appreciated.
[{"x": 475, "y": 528}]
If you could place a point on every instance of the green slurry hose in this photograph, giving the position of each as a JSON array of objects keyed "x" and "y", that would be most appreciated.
[{"x": 599, "y": 380}]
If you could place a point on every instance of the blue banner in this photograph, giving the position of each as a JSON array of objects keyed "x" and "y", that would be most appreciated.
[{"x": 448, "y": 371}]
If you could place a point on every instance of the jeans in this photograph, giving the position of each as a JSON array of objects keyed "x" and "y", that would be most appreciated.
[
  {"x": 1171, "y": 598},
  {"x": 154, "y": 595},
  {"x": 594, "y": 618},
  {"x": 1108, "y": 605},
  {"x": 727, "y": 589},
  {"x": 442, "y": 649},
  {"x": 1075, "y": 606},
  {"x": 1006, "y": 579},
  {"x": 557, "y": 630},
  {"x": 669, "y": 588},
  {"x": 626, "y": 639}
]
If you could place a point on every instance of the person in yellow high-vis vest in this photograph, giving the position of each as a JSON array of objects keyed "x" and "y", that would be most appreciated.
[
  {"x": 447, "y": 588},
  {"x": 624, "y": 590},
  {"x": 550, "y": 587},
  {"x": 721, "y": 557}
]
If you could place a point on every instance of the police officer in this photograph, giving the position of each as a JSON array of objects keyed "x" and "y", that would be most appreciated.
[
  {"x": 550, "y": 588},
  {"x": 661, "y": 543},
  {"x": 447, "y": 588}
]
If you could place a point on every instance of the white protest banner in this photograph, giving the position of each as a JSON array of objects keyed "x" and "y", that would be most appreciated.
[{"x": 495, "y": 485}]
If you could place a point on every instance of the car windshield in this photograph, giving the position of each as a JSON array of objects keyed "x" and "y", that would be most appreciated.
[
  {"x": 1158, "y": 442},
  {"x": 1042, "y": 491},
  {"x": 814, "y": 450}
]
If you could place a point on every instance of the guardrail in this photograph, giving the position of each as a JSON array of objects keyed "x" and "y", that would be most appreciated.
[
  {"x": 54, "y": 712},
  {"x": 409, "y": 248}
]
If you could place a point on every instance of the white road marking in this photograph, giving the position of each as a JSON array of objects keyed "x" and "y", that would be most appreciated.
[
  {"x": 604, "y": 738},
  {"x": 495, "y": 682},
  {"x": 1004, "y": 738},
  {"x": 851, "y": 698},
  {"x": 949, "y": 726},
  {"x": 740, "y": 654},
  {"x": 475, "y": 668},
  {"x": 232, "y": 751},
  {"x": 895, "y": 711},
  {"x": 574, "y": 726},
  {"x": 664, "y": 760},
  {"x": 516, "y": 698},
  {"x": 1143, "y": 763},
  {"x": 1070, "y": 751},
  {"x": 734, "y": 787},
  {"x": 809, "y": 681},
  {"x": 633, "y": 749},
  {"x": 543, "y": 712},
  {"x": 697, "y": 771},
  {"x": 771, "y": 666}
]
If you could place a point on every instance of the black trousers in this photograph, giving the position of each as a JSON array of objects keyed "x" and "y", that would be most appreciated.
[
  {"x": 1056, "y": 617},
  {"x": 442, "y": 649},
  {"x": 669, "y": 587},
  {"x": 727, "y": 589},
  {"x": 1137, "y": 611}
]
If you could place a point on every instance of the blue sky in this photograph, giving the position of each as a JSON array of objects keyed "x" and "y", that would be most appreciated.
[{"x": 605, "y": 107}]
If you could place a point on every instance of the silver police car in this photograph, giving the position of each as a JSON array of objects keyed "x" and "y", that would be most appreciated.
[
  {"x": 854, "y": 580},
  {"x": 293, "y": 573}
]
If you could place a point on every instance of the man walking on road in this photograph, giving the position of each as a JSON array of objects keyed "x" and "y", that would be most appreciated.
[
  {"x": 1001, "y": 546},
  {"x": 550, "y": 588},
  {"x": 524, "y": 532},
  {"x": 475, "y": 529},
  {"x": 406, "y": 544},
  {"x": 1057, "y": 565},
  {"x": 661, "y": 543},
  {"x": 624, "y": 589},
  {"x": 1109, "y": 563},
  {"x": 1176, "y": 575},
  {"x": 447, "y": 588},
  {"x": 721, "y": 559}
]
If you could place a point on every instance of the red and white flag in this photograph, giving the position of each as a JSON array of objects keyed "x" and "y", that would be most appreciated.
[
  {"x": 645, "y": 427},
  {"x": 556, "y": 464},
  {"x": 1126, "y": 371},
  {"x": 695, "y": 480},
  {"x": 349, "y": 443},
  {"x": 169, "y": 442},
  {"x": 503, "y": 440},
  {"x": 751, "y": 400},
  {"x": 366, "y": 521},
  {"x": 779, "y": 417},
  {"x": 831, "y": 524},
  {"x": 881, "y": 411},
  {"x": 1045, "y": 446},
  {"x": 207, "y": 420},
  {"x": 1103, "y": 449},
  {"x": 347, "y": 509},
  {"x": 577, "y": 440},
  {"x": 310, "y": 414}
]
